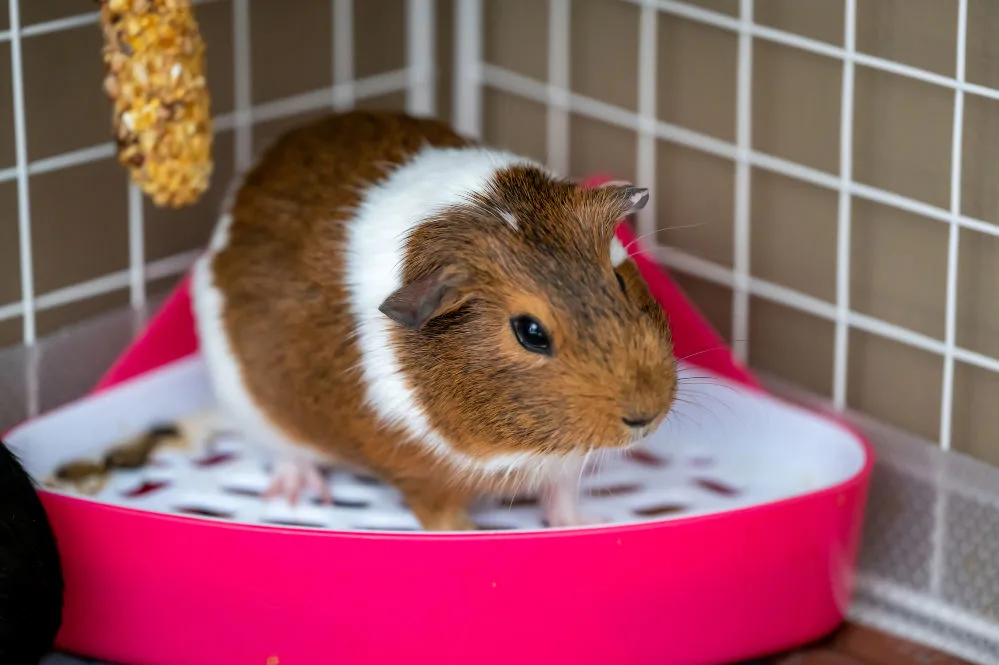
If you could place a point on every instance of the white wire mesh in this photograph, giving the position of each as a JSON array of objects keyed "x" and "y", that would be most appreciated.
[
  {"x": 417, "y": 81},
  {"x": 915, "y": 575},
  {"x": 921, "y": 534},
  {"x": 929, "y": 565}
]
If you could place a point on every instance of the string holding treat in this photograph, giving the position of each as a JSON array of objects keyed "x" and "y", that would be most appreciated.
[{"x": 154, "y": 57}]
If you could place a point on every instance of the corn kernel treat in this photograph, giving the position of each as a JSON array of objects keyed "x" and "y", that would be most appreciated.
[{"x": 155, "y": 62}]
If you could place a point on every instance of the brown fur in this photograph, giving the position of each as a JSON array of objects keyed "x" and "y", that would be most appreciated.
[
  {"x": 612, "y": 358},
  {"x": 289, "y": 325}
]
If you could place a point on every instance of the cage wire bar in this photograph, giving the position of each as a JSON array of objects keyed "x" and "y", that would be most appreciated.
[
  {"x": 950, "y": 327},
  {"x": 557, "y": 119},
  {"x": 21, "y": 174},
  {"x": 645, "y": 168},
  {"x": 343, "y": 54},
  {"x": 421, "y": 45},
  {"x": 841, "y": 341},
  {"x": 743, "y": 138},
  {"x": 242, "y": 77}
]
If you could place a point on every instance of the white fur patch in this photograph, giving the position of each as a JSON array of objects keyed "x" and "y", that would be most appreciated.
[
  {"x": 231, "y": 392},
  {"x": 433, "y": 179},
  {"x": 618, "y": 253}
]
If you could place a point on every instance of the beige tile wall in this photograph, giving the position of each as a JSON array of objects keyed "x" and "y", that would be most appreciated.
[
  {"x": 902, "y": 140},
  {"x": 901, "y": 143}
]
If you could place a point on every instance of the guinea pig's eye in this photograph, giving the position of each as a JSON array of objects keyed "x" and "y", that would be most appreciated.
[
  {"x": 620, "y": 282},
  {"x": 531, "y": 334}
]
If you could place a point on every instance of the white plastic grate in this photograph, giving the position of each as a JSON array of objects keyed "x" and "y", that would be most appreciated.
[
  {"x": 730, "y": 449},
  {"x": 226, "y": 483}
]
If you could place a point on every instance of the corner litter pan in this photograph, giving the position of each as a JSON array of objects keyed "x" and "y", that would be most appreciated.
[{"x": 732, "y": 533}]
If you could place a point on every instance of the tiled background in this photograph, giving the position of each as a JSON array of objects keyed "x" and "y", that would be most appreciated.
[
  {"x": 901, "y": 144},
  {"x": 902, "y": 131}
]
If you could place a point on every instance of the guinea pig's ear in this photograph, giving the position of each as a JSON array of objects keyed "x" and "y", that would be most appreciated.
[
  {"x": 415, "y": 303},
  {"x": 631, "y": 199}
]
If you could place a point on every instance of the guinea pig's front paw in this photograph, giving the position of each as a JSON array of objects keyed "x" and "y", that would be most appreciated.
[
  {"x": 291, "y": 476},
  {"x": 558, "y": 519},
  {"x": 562, "y": 510}
]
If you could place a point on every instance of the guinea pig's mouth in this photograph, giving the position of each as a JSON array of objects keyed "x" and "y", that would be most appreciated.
[
  {"x": 627, "y": 437},
  {"x": 642, "y": 433}
]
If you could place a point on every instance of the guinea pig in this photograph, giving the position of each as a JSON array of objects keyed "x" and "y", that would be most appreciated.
[
  {"x": 382, "y": 292},
  {"x": 31, "y": 581}
]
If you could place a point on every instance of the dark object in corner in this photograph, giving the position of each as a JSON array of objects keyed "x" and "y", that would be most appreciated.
[{"x": 31, "y": 582}]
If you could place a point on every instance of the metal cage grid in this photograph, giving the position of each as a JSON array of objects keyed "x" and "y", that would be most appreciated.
[
  {"x": 921, "y": 613},
  {"x": 473, "y": 74},
  {"x": 416, "y": 79}
]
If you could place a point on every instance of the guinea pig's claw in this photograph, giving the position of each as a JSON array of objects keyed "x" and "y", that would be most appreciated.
[{"x": 291, "y": 477}]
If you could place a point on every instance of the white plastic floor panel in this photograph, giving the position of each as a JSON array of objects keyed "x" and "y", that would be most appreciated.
[{"x": 728, "y": 449}]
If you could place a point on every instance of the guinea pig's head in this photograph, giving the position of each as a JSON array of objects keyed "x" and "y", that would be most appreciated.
[{"x": 518, "y": 330}]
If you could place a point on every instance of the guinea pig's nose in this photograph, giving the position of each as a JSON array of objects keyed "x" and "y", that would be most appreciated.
[{"x": 637, "y": 422}]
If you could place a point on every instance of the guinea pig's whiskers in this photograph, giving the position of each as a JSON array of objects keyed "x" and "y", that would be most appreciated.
[
  {"x": 710, "y": 349},
  {"x": 684, "y": 382},
  {"x": 644, "y": 251},
  {"x": 684, "y": 386},
  {"x": 600, "y": 458},
  {"x": 703, "y": 380},
  {"x": 658, "y": 230},
  {"x": 700, "y": 404},
  {"x": 638, "y": 239},
  {"x": 676, "y": 417},
  {"x": 695, "y": 423}
]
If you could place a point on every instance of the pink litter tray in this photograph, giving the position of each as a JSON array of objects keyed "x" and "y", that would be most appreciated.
[{"x": 732, "y": 534}]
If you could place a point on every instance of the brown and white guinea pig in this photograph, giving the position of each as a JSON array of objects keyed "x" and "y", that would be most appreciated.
[{"x": 381, "y": 292}]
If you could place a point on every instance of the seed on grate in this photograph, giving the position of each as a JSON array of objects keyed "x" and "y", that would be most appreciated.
[
  {"x": 135, "y": 454},
  {"x": 73, "y": 471},
  {"x": 84, "y": 476}
]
